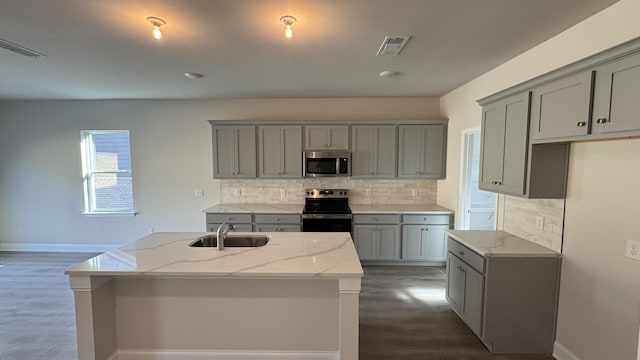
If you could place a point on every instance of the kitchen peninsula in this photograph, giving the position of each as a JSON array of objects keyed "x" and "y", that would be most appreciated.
[{"x": 158, "y": 298}]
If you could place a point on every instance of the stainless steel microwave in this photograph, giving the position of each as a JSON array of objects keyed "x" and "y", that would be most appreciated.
[{"x": 326, "y": 163}]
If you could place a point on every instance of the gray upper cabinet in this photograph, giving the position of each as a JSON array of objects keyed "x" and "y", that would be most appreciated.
[
  {"x": 422, "y": 150},
  {"x": 373, "y": 151},
  {"x": 509, "y": 163},
  {"x": 234, "y": 152},
  {"x": 280, "y": 151},
  {"x": 503, "y": 158},
  {"x": 326, "y": 137},
  {"x": 616, "y": 107},
  {"x": 562, "y": 108}
]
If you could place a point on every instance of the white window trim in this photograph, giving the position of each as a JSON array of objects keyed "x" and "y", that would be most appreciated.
[{"x": 87, "y": 159}]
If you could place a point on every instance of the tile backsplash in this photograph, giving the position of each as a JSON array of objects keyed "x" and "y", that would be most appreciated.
[
  {"x": 291, "y": 191},
  {"x": 519, "y": 218}
]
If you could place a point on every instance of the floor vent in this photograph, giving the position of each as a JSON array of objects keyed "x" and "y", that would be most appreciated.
[
  {"x": 392, "y": 45},
  {"x": 6, "y": 44}
]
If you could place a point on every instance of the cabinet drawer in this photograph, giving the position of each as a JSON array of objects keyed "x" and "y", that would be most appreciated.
[
  {"x": 231, "y": 218},
  {"x": 467, "y": 255},
  {"x": 277, "y": 218},
  {"x": 426, "y": 219},
  {"x": 213, "y": 227},
  {"x": 376, "y": 219},
  {"x": 276, "y": 228}
]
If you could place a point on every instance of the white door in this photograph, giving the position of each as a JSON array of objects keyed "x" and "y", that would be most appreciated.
[{"x": 477, "y": 207}]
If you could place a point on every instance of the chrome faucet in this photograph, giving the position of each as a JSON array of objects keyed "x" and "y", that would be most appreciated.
[{"x": 221, "y": 233}]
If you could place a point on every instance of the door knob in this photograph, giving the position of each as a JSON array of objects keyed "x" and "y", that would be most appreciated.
[
  {"x": 601, "y": 120},
  {"x": 581, "y": 123}
]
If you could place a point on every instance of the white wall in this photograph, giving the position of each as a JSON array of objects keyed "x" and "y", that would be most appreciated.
[
  {"x": 41, "y": 184},
  {"x": 599, "y": 284}
]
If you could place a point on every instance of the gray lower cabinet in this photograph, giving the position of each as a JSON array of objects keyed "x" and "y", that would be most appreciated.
[
  {"x": 234, "y": 152},
  {"x": 277, "y": 222},
  {"x": 326, "y": 137},
  {"x": 373, "y": 151},
  {"x": 509, "y": 302},
  {"x": 562, "y": 108},
  {"x": 509, "y": 163},
  {"x": 421, "y": 151},
  {"x": 424, "y": 238},
  {"x": 241, "y": 222},
  {"x": 616, "y": 109},
  {"x": 377, "y": 236},
  {"x": 280, "y": 151}
]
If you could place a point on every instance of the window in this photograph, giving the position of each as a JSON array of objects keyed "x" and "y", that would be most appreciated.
[{"x": 106, "y": 168}]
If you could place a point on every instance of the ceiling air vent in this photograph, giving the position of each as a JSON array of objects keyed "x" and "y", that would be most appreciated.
[
  {"x": 392, "y": 45},
  {"x": 6, "y": 44}
]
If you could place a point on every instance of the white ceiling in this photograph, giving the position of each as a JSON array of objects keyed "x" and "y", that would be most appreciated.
[{"x": 103, "y": 49}]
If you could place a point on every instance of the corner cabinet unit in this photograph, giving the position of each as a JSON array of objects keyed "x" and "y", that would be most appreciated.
[
  {"x": 423, "y": 237},
  {"x": 509, "y": 164},
  {"x": 422, "y": 151},
  {"x": 377, "y": 237},
  {"x": 506, "y": 292},
  {"x": 280, "y": 151},
  {"x": 373, "y": 151},
  {"x": 234, "y": 152},
  {"x": 326, "y": 137}
]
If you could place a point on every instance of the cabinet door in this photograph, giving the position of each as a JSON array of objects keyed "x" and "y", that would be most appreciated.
[
  {"x": 245, "y": 151},
  {"x": 436, "y": 241},
  {"x": 562, "y": 108},
  {"x": 326, "y": 137},
  {"x": 516, "y": 144},
  {"x": 388, "y": 242},
  {"x": 414, "y": 246},
  {"x": 363, "y": 237},
  {"x": 269, "y": 146},
  {"x": 291, "y": 152},
  {"x": 433, "y": 152},
  {"x": 362, "y": 151},
  {"x": 492, "y": 146},
  {"x": 455, "y": 283},
  {"x": 422, "y": 151},
  {"x": 473, "y": 298},
  {"x": 410, "y": 148},
  {"x": 373, "y": 151},
  {"x": 616, "y": 105},
  {"x": 224, "y": 144}
]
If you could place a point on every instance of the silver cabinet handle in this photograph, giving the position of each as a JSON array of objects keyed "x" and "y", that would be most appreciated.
[
  {"x": 277, "y": 219},
  {"x": 601, "y": 120},
  {"x": 461, "y": 252},
  {"x": 581, "y": 123},
  {"x": 229, "y": 219}
]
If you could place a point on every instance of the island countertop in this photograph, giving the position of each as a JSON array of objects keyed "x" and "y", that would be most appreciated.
[
  {"x": 286, "y": 255},
  {"x": 499, "y": 243}
]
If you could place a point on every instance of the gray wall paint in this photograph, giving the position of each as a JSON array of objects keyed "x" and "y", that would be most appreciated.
[{"x": 40, "y": 177}]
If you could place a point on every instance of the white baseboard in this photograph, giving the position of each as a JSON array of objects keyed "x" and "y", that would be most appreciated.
[
  {"x": 97, "y": 248},
  {"x": 222, "y": 355},
  {"x": 560, "y": 352}
]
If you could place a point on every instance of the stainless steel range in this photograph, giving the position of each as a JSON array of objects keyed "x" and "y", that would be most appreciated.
[{"x": 326, "y": 210}]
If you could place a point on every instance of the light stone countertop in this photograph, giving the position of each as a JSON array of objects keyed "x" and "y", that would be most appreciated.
[
  {"x": 296, "y": 255},
  {"x": 256, "y": 208},
  {"x": 355, "y": 208},
  {"x": 499, "y": 243}
]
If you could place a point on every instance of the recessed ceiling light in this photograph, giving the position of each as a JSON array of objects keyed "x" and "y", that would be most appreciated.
[
  {"x": 193, "y": 75},
  {"x": 388, "y": 73}
]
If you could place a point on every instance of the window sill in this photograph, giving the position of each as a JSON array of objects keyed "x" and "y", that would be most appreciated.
[{"x": 107, "y": 213}]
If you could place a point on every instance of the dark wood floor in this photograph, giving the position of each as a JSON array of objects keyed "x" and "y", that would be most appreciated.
[{"x": 403, "y": 314}]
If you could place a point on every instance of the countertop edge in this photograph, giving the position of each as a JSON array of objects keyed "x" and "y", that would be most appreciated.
[{"x": 551, "y": 253}]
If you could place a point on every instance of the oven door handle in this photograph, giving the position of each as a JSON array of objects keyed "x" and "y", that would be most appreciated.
[{"x": 327, "y": 216}]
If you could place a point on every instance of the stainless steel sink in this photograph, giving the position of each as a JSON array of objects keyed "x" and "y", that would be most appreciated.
[{"x": 231, "y": 240}]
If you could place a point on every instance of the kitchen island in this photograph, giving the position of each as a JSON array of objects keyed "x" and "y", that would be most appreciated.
[{"x": 158, "y": 298}]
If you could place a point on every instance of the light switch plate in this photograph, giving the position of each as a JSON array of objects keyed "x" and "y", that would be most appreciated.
[{"x": 633, "y": 250}]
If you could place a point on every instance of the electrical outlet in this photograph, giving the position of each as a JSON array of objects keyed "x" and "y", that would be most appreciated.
[
  {"x": 150, "y": 230},
  {"x": 198, "y": 192},
  {"x": 540, "y": 222},
  {"x": 237, "y": 192},
  {"x": 21, "y": 230},
  {"x": 633, "y": 250}
]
